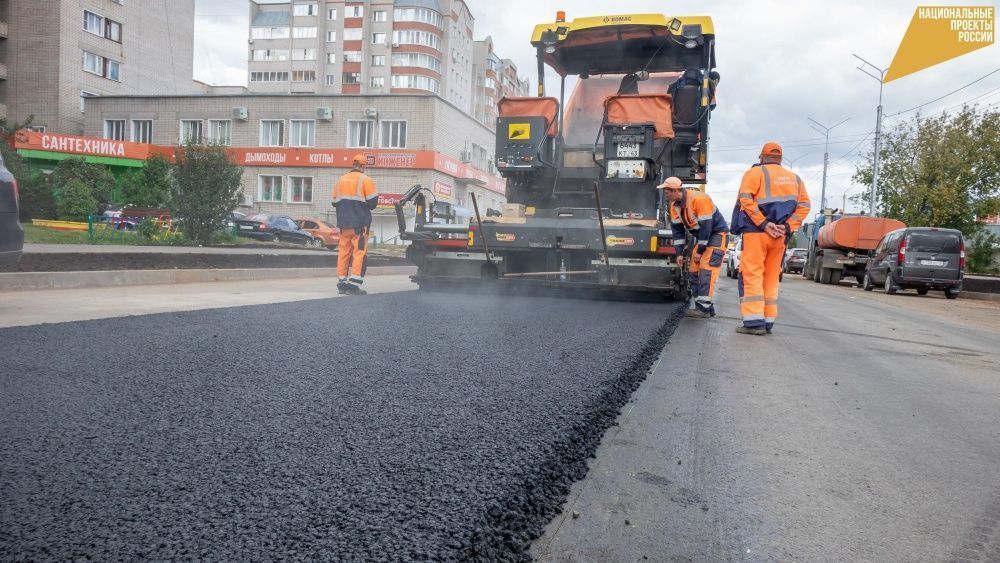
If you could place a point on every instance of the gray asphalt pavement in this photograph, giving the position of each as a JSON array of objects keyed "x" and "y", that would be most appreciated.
[
  {"x": 867, "y": 428},
  {"x": 385, "y": 427}
]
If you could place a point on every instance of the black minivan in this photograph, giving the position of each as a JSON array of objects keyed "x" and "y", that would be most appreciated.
[{"x": 921, "y": 258}]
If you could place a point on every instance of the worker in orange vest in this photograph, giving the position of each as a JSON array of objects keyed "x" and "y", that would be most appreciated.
[
  {"x": 772, "y": 203},
  {"x": 694, "y": 212},
  {"x": 354, "y": 197}
]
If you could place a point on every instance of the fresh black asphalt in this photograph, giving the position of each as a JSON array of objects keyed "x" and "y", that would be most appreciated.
[{"x": 387, "y": 427}]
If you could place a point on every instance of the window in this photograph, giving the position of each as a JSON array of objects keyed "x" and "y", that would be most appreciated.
[
  {"x": 417, "y": 15},
  {"x": 303, "y": 54},
  {"x": 268, "y": 76},
  {"x": 416, "y": 82},
  {"x": 37, "y": 128},
  {"x": 269, "y": 32},
  {"x": 378, "y": 60},
  {"x": 353, "y": 34},
  {"x": 360, "y": 134},
  {"x": 113, "y": 31},
  {"x": 331, "y": 79},
  {"x": 416, "y": 59},
  {"x": 394, "y": 134},
  {"x": 379, "y": 38},
  {"x": 113, "y": 70},
  {"x": 220, "y": 131},
  {"x": 331, "y": 58},
  {"x": 303, "y": 76},
  {"x": 269, "y": 188},
  {"x": 270, "y": 54},
  {"x": 191, "y": 131},
  {"x": 416, "y": 37},
  {"x": 352, "y": 78},
  {"x": 378, "y": 82},
  {"x": 331, "y": 14},
  {"x": 93, "y": 23},
  {"x": 331, "y": 36},
  {"x": 354, "y": 11},
  {"x": 83, "y": 100},
  {"x": 93, "y": 64},
  {"x": 303, "y": 32},
  {"x": 352, "y": 56},
  {"x": 115, "y": 129},
  {"x": 301, "y": 133},
  {"x": 271, "y": 132},
  {"x": 306, "y": 9},
  {"x": 380, "y": 16},
  {"x": 300, "y": 189},
  {"x": 142, "y": 131}
]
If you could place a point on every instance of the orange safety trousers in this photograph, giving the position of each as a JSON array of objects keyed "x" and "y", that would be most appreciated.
[
  {"x": 351, "y": 255},
  {"x": 760, "y": 270},
  {"x": 705, "y": 272}
]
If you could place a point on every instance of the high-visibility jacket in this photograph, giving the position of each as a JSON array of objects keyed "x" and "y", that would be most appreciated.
[
  {"x": 770, "y": 193},
  {"x": 355, "y": 196},
  {"x": 697, "y": 214}
]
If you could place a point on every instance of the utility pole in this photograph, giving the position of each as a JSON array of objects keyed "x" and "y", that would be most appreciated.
[
  {"x": 825, "y": 131},
  {"x": 878, "y": 127}
]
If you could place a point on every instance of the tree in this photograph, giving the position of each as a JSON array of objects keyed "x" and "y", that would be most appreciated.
[
  {"x": 96, "y": 176},
  {"x": 149, "y": 187},
  {"x": 76, "y": 201},
  {"x": 37, "y": 201},
  {"x": 942, "y": 171},
  {"x": 205, "y": 189}
]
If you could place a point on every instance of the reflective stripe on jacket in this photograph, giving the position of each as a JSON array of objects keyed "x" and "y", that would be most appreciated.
[
  {"x": 354, "y": 196},
  {"x": 697, "y": 214},
  {"x": 770, "y": 193}
]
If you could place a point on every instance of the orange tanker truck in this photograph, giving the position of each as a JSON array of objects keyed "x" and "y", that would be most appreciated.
[{"x": 841, "y": 245}]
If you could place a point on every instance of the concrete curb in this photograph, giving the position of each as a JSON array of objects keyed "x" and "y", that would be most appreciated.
[
  {"x": 23, "y": 281},
  {"x": 979, "y": 295}
]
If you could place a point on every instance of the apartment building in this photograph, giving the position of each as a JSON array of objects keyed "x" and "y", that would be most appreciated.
[
  {"x": 495, "y": 78},
  {"x": 56, "y": 53},
  {"x": 371, "y": 47}
]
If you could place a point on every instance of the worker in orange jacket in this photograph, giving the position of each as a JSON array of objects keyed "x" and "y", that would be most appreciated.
[
  {"x": 772, "y": 203},
  {"x": 354, "y": 197},
  {"x": 693, "y": 212}
]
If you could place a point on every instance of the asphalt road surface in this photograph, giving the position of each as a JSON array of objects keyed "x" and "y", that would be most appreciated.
[
  {"x": 867, "y": 428},
  {"x": 390, "y": 426}
]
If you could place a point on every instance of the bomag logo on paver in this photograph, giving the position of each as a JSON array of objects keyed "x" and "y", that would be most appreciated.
[
  {"x": 518, "y": 131},
  {"x": 620, "y": 241},
  {"x": 617, "y": 19},
  {"x": 505, "y": 237}
]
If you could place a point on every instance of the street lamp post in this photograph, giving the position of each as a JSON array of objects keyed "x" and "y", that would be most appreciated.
[
  {"x": 824, "y": 130},
  {"x": 878, "y": 127},
  {"x": 791, "y": 161}
]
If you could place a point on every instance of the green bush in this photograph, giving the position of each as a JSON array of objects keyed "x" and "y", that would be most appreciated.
[
  {"x": 37, "y": 201},
  {"x": 76, "y": 201},
  {"x": 96, "y": 177},
  {"x": 981, "y": 248},
  {"x": 148, "y": 187},
  {"x": 205, "y": 189},
  {"x": 149, "y": 228}
]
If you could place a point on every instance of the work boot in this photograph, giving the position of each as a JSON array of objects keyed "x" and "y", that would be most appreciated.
[
  {"x": 355, "y": 290},
  {"x": 697, "y": 314},
  {"x": 341, "y": 288},
  {"x": 756, "y": 331}
]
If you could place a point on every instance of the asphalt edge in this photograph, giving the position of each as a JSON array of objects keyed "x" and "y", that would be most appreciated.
[{"x": 27, "y": 281}]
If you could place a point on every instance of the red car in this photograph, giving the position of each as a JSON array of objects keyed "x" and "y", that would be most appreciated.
[{"x": 322, "y": 231}]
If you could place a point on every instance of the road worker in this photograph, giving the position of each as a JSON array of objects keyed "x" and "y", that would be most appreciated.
[
  {"x": 771, "y": 205},
  {"x": 354, "y": 197},
  {"x": 692, "y": 212}
]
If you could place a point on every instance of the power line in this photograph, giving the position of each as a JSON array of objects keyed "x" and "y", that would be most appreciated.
[
  {"x": 994, "y": 71},
  {"x": 786, "y": 146},
  {"x": 757, "y": 145}
]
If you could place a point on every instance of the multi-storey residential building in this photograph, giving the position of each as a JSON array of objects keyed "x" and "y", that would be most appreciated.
[
  {"x": 56, "y": 53},
  {"x": 495, "y": 78},
  {"x": 370, "y": 47}
]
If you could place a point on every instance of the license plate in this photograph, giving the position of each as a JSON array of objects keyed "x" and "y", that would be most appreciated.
[
  {"x": 628, "y": 150},
  {"x": 246, "y": 227},
  {"x": 932, "y": 263}
]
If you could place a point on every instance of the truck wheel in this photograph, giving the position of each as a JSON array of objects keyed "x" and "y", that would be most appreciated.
[
  {"x": 861, "y": 279},
  {"x": 835, "y": 275},
  {"x": 921, "y": 291},
  {"x": 951, "y": 293},
  {"x": 889, "y": 288},
  {"x": 825, "y": 275},
  {"x": 866, "y": 283}
]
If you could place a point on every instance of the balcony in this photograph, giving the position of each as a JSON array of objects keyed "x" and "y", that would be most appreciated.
[
  {"x": 3, "y": 30},
  {"x": 3, "y": 71}
]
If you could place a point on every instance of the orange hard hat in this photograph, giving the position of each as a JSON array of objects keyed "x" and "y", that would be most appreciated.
[
  {"x": 359, "y": 159},
  {"x": 771, "y": 149},
  {"x": 671, "y": 183}
]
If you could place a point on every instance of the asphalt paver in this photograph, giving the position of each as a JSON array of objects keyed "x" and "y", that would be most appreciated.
[{"x": 385, "y": 427}]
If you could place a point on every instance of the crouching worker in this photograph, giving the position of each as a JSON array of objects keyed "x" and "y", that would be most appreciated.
[
  {"x": 692, "y": 211},
  {"x": 354, "y": 197}
]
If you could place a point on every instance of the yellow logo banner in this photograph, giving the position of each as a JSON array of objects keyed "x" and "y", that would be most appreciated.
[
  {"x": 518, "y": 131},
  {"x": 940, "y": 33}
]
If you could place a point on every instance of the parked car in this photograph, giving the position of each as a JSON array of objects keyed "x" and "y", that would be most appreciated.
[
  {"x": 733, "y": 259},
  {"x": 11, "y": 232},
  {"x": 795, "y": 260},
  {"x": 921, "y": 258},
  {"x": 277, "y": 228},
  {"x": 327, "y": 234}
]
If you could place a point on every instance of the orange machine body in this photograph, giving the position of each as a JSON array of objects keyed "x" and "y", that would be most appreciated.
[{"x": 856, "y": 232}]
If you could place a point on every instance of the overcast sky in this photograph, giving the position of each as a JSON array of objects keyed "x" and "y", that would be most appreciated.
[{"x": 781, "y": 62}]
